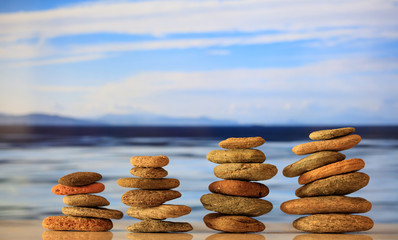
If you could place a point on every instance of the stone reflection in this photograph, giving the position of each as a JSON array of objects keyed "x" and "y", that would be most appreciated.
[
  {"x": 314, "y": 236},
  {"x": 157, "y": 236},
  {"x": 71, "y": 235},
  {"x": 235, "y": 236}
]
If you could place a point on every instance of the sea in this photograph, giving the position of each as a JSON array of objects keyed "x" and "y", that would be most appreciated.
[{"x": 33, "y": 158}]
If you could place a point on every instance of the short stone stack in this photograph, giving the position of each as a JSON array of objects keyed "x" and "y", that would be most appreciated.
[
  {"x": 327, "y": 178},
  {"x": 147, "y": 202},
  {"x": 236, "y": 199},
  {"x": 86, "y": 212}
]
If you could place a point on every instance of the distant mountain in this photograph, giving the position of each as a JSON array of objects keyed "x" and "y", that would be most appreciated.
[{"x": 109, "y": 119}]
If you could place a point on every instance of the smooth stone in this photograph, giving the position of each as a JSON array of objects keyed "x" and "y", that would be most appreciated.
[
  {"x": 148, "y": 198},
  {"x": 79, "y": 179},
  {"x": 159, "y": 212},
  {"x": 147, "y": 172},
  {"x": 311, "y": 162},
  {"x": 333, "y": 223},
  {"x": 149, "y": 161},
  {"x": 67, "y": 190},
  {"x": 326, "y": 204},
  {"x": 162, "y": 236},
  {"x": 331, "y": 133},
  {"x": 92, "y": 212},
  {"x": 151, "y": 226},
  {"x": 335, "y": 185},
  {"x": 336, "y": 144},
  {"x": 233, "y": 223},
  {"x": 72, "y": 235},
  {"x": 63, "y": 223},
  {"x": 149, "y": 183},
  {"x": 236, "y": 156},
  {"x": 239, "y": 188},
  {"x": 245, "y": 171},
  {"x": 345, "y": 166},
  {"x": 242, "y": 143},
  {"x": 234, "y": 205},
  {"x": 85, "y": 200}
]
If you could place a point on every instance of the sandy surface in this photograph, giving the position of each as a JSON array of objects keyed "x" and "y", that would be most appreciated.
[{"x": 32, "y": 229}]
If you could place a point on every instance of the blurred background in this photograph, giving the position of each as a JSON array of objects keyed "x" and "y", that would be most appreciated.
[{"x": 85, "y": 85}]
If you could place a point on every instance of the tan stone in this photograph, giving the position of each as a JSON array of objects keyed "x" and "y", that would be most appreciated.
[
  {"x": 159, "y": 212},
  {"x": 148, "y": 172},
  {"x": 336, "y": 144},
  {"x": 148, "y": 198},
  {"x": 236, "y": 156},
  {"x": 149, "y": 161},
  {"x": 151, "y": 226},
  {"x": 245, "y": 171},
  {"x": 63, "y": 223},
  {"x": 149, "y": 183},
  {"x": 242, "y": 143},
  {"x": 331, "y": 133},
  {"x": 232, "y": 223}
]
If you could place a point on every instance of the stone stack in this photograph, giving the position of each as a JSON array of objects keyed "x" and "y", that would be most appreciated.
[
  {"x": 236, "y": 199},
  {"x": 327, "y": 178},
  {"x": 86, "y": 212},
  {"x": 147, "y": 202}
]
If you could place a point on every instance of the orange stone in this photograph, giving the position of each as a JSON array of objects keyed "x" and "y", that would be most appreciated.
[{"x": 67, "y": 190}]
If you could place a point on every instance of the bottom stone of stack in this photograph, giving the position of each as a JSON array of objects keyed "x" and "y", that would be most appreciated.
[
  {"x": 233, "y": 223},
  {"x": 64, "y": 223},
  {"x": 153, "y": 226},
  {"x": 333, "y": 223}
]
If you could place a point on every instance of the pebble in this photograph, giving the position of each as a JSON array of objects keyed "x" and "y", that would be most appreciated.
[
  {"x": 92, "y": 212},
  {"x": 148, "y": 198},
  {"x": 326, "y": 204},
  {"x": 311, "y": 162},
  {"x": 235, "y": 205},
  {"x": 242, "y": 143},
  {"x": 85, "y": 200},
  {"x": 159, "y": 212},
  {"x": 148, "y": 172},
  {"x": 63, "y": 223},
  {"x": 149, "y": 183},
  {"x": 239, "y": 188},
  {"x": 331, "y": 133},
  {"x": 151, "y": 226},
  {"x": 149, "y": 161},
  {"x": 233, "y": 223},
  {"x": 60, "y": 189},
  {"x": 336, "y": 144},
  {"x": 245, "y": 171},
  {"x": 333, "y": 223},
  {"x": 78, "y": 179},
  {"x": 334, "y": 185},
  {"x": 236, "y": 156},
  {"x": 345, "y": 166}
]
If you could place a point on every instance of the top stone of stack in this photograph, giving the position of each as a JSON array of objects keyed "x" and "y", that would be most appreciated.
[
  {"x": 242, "y": 143},
  {"x": 331, "y": 133},
  {"x": 149, "y": 161},
  {"x": 78, "y": 179}
]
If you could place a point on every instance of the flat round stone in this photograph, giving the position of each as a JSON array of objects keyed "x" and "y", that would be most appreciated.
[
  {"x": 335, "y": 185},
  {"x": 326, "y": 204},
  {"x": 64, "y": 223},
  {"x": 78, "y": 179},
  {"x": 149, "y": 183},
  {"x": 67, "y": 190},
  {"x": 239, "y": 188},
  {"x": 152, "y": 226},
  {"x": 149, "y": 161},
  {"x": 147, "y": 172},
  {"x": 333, "y": 223},
  {"x": 233, "y": 205},
  {"x": 233, "y": 223},
  {"x": 336, "y": 144},
  {"x": 236, "y": 156},
  {"x": 242, "y": 143},
  {"x": 331, "y": 133},
  {"x": 245, "y": 171},
  {"x": 148, "y": 198},
  {"x": 311, "y": 162},
  {"x": 159, "y": 212},
  {"x": 85, "y": 200},
  {"x": 92, "y": 212}
]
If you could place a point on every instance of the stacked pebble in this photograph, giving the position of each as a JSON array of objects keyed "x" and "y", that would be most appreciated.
[
  {"x": 85, "y": 213},
  {"x": 236, "y": 199},
  {"x": 146, "y": 203},
  {"x": 327, "y": 178}
]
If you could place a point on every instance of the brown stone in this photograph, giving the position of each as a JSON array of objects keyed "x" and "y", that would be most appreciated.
[
  {"x": 151, "y": 226},
  {"x": 78, "y": 179},
  {"x": 236, "y": 156},
  {"x": 331, "y": 133},
  {"x": 148, "y": 198},
  {"x": 149, "y": 183},
  {"x": 242, "y": 143},
  {"x": 92, "y": 212},
  {"x": 336, "y": 144},
  {"x": 159, "y": 212},
  {"x": 147, "y": 172},
  {"x": 85, "y": 200},
  {"x": 239, "y": 188},
  {"x": 63, "y": 223},
  {"x": 232, "y": 223},
  {"x": 245, "y": 171},
  {"x": 149, "y": 161}
]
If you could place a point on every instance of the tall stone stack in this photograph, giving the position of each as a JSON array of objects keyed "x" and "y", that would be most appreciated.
[
  {"x": 237, "y": 199},
  {"x": 147, "y": 202},
  {"x": 86, "y": 212},
  {"x": 327, "y": 178}
]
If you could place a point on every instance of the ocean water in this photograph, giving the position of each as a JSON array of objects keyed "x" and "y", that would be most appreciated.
[{"x": 32, "y": 160}]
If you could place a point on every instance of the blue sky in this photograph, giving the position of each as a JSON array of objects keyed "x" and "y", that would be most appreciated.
[{"x": 256, "y": 62}]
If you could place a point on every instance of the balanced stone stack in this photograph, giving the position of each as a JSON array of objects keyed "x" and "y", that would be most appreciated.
[
  {"x": 327, "y": 178},
  {"x": 236, "y": 199},
  {"x": 147, "y": 202},
  {"x": 86, "y": 212}
]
